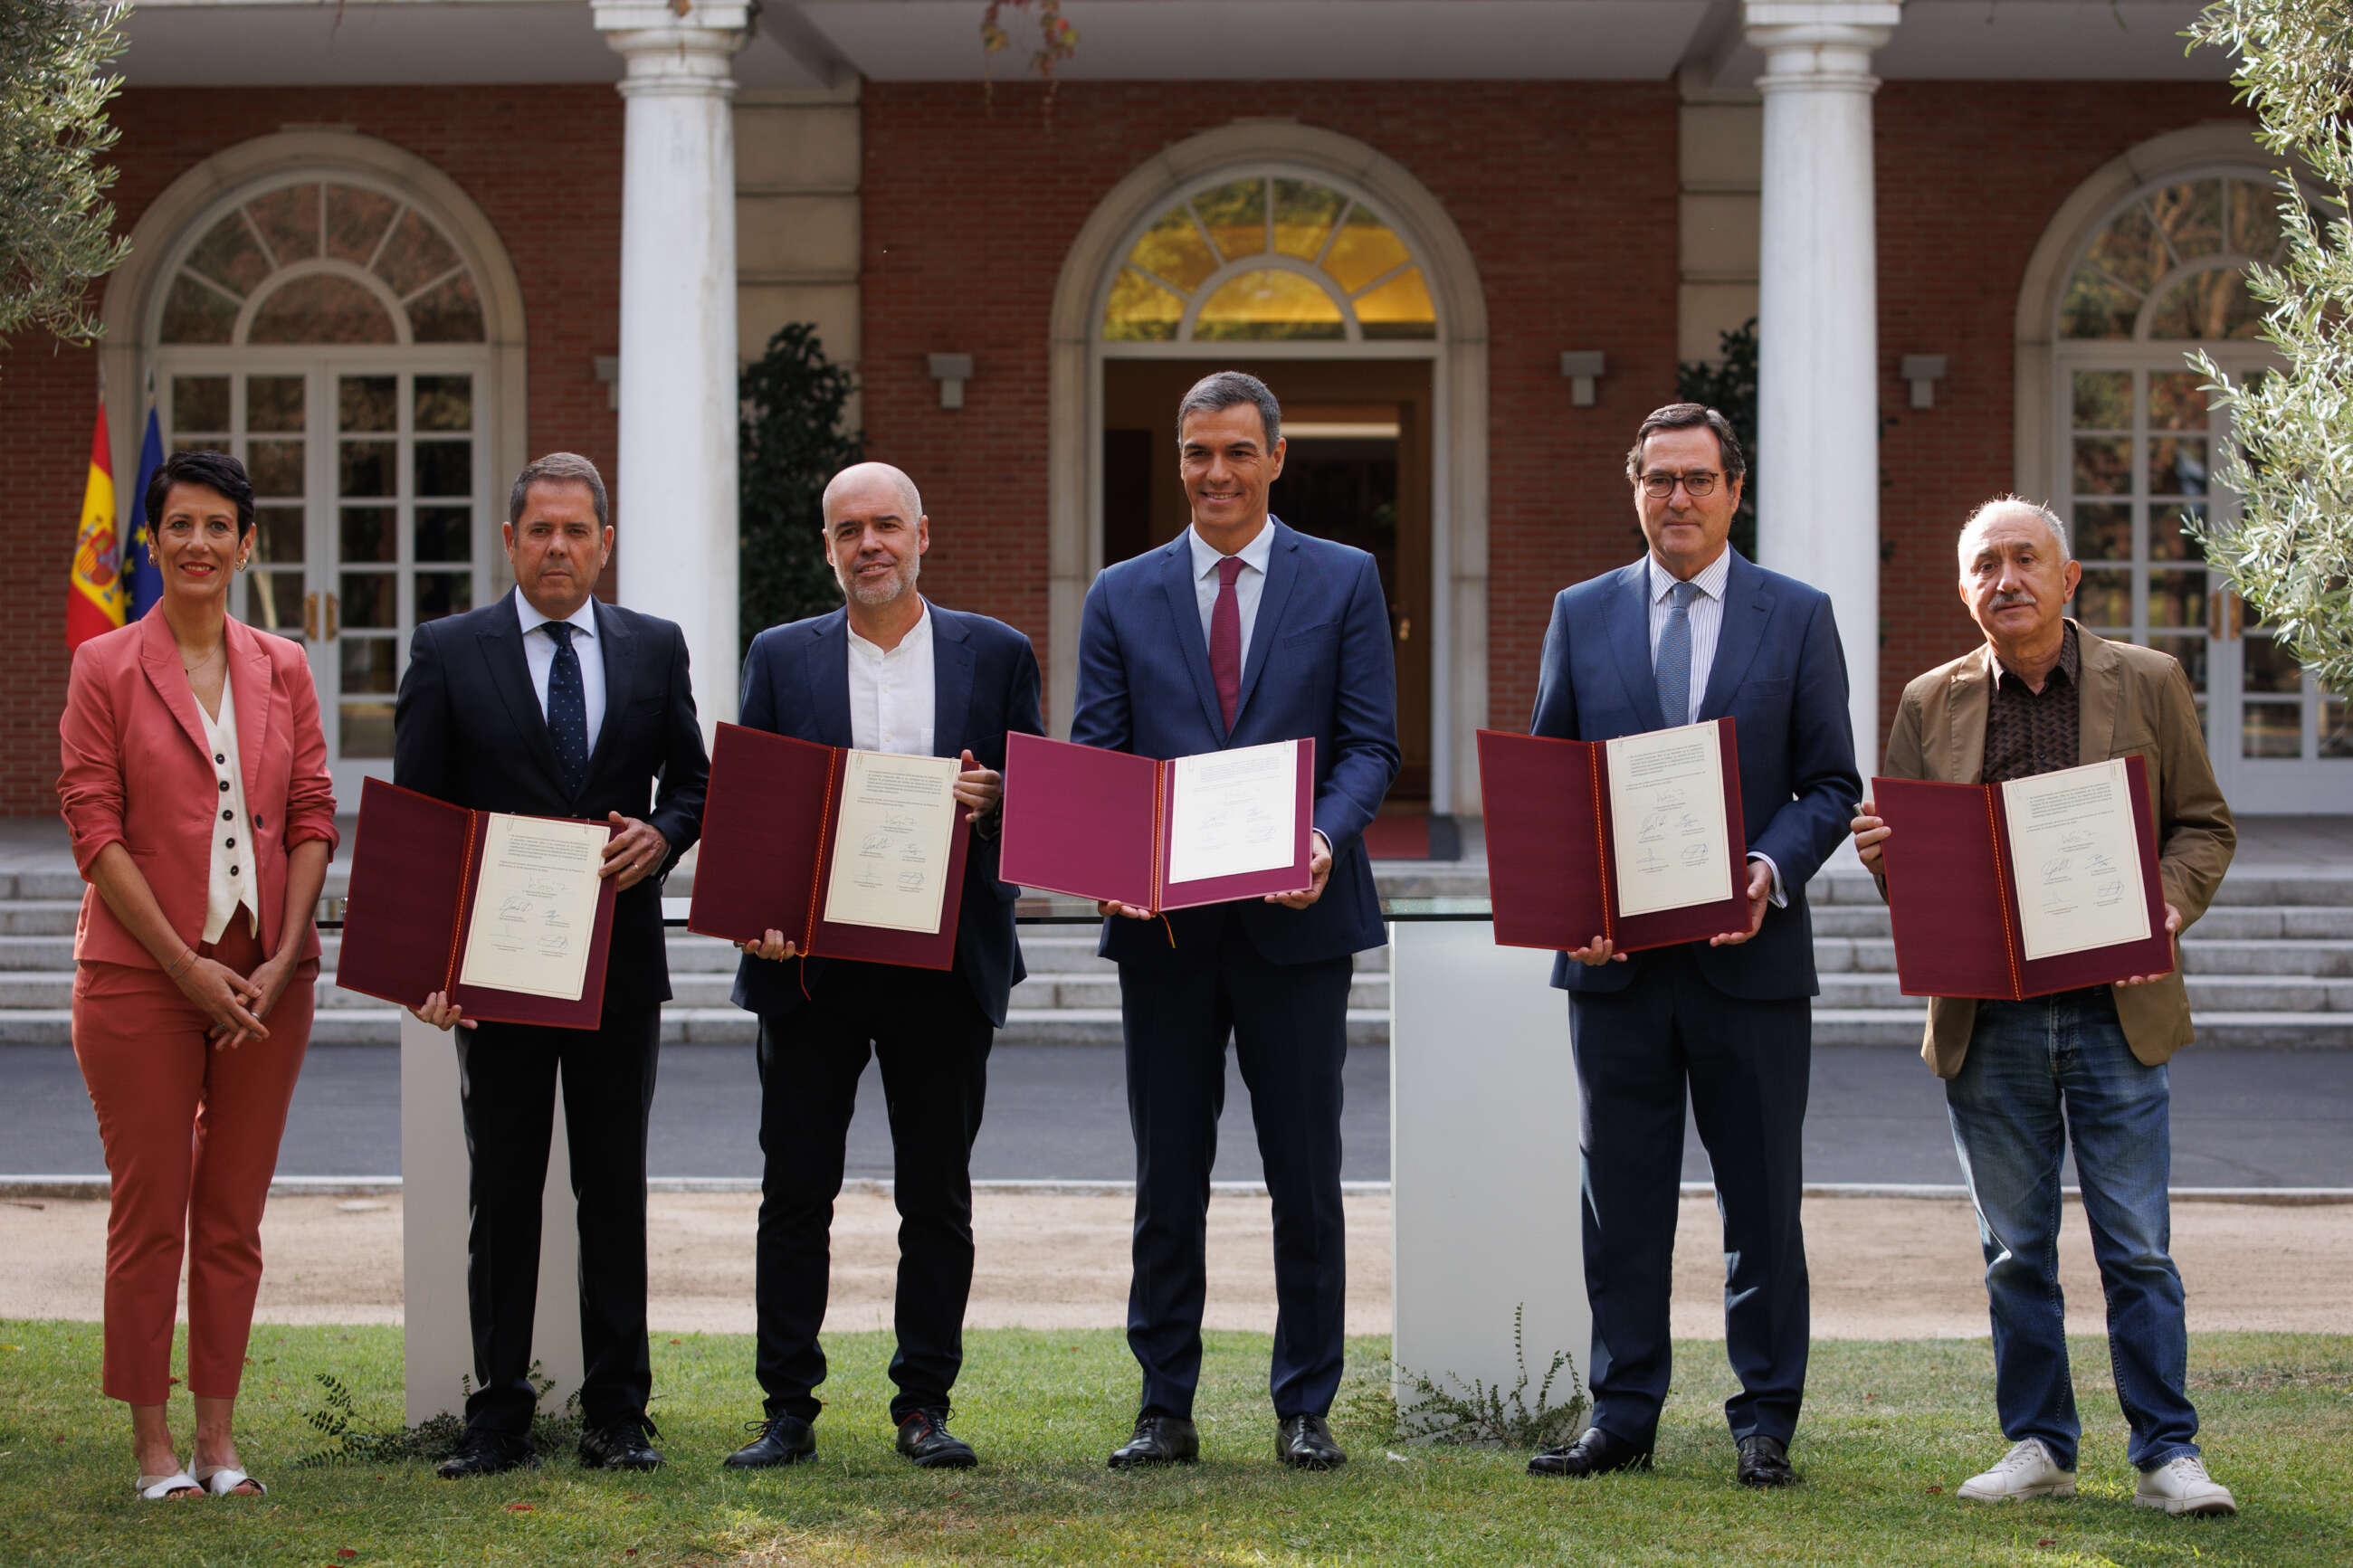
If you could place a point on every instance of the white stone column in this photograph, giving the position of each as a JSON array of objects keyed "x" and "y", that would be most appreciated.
[
  {"x": 674, "y": 506},
  {"x": 1818, "y": 324}
]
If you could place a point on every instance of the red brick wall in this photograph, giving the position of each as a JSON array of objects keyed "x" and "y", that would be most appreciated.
[
  {"x": 544, "y": 164},
  {"x": 1969, "y": 175},
  {"x": 1563, "y": 191}
]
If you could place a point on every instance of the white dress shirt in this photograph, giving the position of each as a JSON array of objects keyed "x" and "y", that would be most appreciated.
[
  {"x": 232, "y": 880},
  {"x": 1249, "y": 585},
  {"x": 538, "y": 652},
  {"x": 1707, "y": 613},
  {"x": 891, "y": 692}
]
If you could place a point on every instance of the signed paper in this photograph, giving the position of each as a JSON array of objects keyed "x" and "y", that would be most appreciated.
[
  {"x": 1666, "y": 809},
  {"x": 2077, "y": 852},
  {"x": 891, "y": 841},
  {"x": 534, "y": 906},
  {"x": 1234, "y": 812}
]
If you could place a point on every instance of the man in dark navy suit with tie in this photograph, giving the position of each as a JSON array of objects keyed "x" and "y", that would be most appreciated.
[
  {"x": 889, "y": 671},
  {"x": 1690, "y": 633},
  {"x": 1243, "y": 631},
  {"x": 550, "y": 704}
]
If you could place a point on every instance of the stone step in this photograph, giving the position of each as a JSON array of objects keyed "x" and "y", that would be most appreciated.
[
  {"x": 2199, "y": 955},
  {"x": 2216, "y": 993},
  {"x": 2216, "y": 1031},
  {"x": 1085, "y": 991}
]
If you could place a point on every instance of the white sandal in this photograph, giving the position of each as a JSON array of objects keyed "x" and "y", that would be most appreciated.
[
  {"x": 222, "y": 1480},
  {"x": 159, "y": 1489}
]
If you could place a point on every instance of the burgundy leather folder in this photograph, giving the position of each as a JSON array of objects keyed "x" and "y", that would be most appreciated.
[
  {"x": 1095, "y": 824},
  {"x": 1952, "y": 896},
  {"x": 414, "y": 862},
  {"x": 1552, "y": 864},
  {"x": 768, "y": 822}
]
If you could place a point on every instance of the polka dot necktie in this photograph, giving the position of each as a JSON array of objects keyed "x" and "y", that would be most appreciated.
[
  {"x": 1672, "y": 666},
  {"x": 567, "y": 707}
]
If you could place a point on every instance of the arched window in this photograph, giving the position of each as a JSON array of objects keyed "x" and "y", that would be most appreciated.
[
  {"x": 1268, "y": 258},
  {"x": 329, "y": 331},
  {"x": 2163, "y": 272}
]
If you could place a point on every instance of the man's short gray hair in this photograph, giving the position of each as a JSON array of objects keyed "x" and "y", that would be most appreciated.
[
  {"x": 559, "y": 469},
  {"x": 909, "y": 496},
  {"x": 2007, "y": 506},
  {"x": 1227, "y": 389}
]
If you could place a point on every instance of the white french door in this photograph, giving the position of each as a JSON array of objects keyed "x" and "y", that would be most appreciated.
[{"x": 375, "y": 510}]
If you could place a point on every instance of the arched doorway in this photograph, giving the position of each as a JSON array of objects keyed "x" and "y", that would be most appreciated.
[
  {"x": 2151, "y": 271},
  {"x": 1313, "y": 261},
  {"x": 340, "y": 330}
]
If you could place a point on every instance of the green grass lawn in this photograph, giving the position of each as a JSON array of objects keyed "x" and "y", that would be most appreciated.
[{"x": 1891, "y": 1428}]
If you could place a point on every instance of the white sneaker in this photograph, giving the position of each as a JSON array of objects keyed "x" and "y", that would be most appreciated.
[
  {"x": 2027, "y": 1470},
  {"x": 2182, "y": 1486}
]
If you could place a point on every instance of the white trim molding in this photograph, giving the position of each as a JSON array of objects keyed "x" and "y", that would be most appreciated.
[{"x": 1459, "y": 456}]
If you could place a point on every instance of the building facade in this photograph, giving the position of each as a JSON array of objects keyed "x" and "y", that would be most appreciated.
[{"x": 388, "y": 251}]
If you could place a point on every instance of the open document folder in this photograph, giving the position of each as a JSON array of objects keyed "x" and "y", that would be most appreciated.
[
  {"x": 1159, "y": 835},
  {"x": 504, "y": 913}
]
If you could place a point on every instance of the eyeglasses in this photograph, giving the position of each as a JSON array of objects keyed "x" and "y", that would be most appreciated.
[{"x": 1697, "y": 483}]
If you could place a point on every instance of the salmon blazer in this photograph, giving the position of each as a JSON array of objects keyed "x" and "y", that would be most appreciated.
[
  {"x": 137, "y": 772},
  {"x": 2134, "y": 701}
]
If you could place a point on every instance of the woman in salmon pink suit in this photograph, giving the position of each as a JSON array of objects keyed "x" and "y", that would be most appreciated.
[{"x": 196, "y": 787}]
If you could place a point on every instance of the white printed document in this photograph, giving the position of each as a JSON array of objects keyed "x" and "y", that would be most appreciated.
[
  {"x": 1234, "y": 812},
  {"x": 1666, "y": 810},
  {"x": 2076, "y": 854},
  {"x": 891, "y": 841},
  {"x": 534, "y": 906}
]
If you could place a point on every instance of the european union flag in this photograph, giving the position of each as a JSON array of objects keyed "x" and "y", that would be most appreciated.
[{"x": 141, "y": 576}]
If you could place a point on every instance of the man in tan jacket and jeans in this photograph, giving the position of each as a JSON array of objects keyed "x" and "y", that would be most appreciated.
[{"x": 2024, "y": 1079}]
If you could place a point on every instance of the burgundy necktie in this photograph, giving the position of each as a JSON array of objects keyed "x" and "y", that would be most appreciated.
[{"x": 1225, "y": 639}]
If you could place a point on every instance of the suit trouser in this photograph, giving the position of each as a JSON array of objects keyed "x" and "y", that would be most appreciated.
[
  {"x": 931, "y": 1039},
  {"x": 191, "y": 1136},
  {"x": 507, "y": 1083},
  {"x": 1288, "y": 1024},
  {"x": 1746, "y": 1065}
]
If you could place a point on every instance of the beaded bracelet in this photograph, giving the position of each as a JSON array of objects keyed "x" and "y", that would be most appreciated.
[{"x": 181, "y": 963}]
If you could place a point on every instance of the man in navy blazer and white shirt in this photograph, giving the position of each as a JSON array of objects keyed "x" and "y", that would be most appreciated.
[
  {"x": 1243, "y": 631},
  {"x": 887, "y": 672},
  {"x": 1691, "y": 632}
]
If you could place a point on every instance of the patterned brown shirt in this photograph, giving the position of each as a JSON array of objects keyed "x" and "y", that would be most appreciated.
[{"x": 2029, "y": 731}]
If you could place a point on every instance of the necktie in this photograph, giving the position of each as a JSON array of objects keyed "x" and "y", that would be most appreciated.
[
  {"x": 1225, "y": 639},
  {"x": 1672, "y": 666},
  {"x": 567, "y": 707}
]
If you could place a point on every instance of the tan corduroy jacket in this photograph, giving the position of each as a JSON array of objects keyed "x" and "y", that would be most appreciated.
[{"x": 2135, "y": 700}]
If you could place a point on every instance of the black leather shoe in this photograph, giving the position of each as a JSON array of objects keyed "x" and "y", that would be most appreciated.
[
  {"x": 1304, "y": 1443},
  {"x": 1597, "y": 1453},
  {"x": 625, "y": 1445},
  {"x": 481, "y": 1452},
  {"x": 1765, "y": 1462},
  {"x": 1159, "y": 1440},
  {"x": 924, "y": 1437},
  {"x": 782, "y": 1440}
]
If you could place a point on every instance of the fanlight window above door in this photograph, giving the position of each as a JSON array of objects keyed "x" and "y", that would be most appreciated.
[
  {"x": 323, "y": 262},
  {"x": 1267, "y": 258},
  {"x": 2172, "y": 265}
]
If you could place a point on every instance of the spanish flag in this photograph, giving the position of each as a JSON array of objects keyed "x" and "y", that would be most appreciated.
[{"x": 94, "y": 600}]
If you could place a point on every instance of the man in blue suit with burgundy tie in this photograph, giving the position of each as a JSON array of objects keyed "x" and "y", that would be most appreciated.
[
  {"x": 1691, "y": 632},
  {"x": 1175, "y": 650}
]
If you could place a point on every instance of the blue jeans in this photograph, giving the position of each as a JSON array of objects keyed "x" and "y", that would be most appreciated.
[{"x": 2038, "y": 1075}]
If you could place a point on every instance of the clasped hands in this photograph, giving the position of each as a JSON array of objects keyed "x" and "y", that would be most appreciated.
[
  {"x": 1319, "y": 871},
  {"x": 236, "y": 1004},
  {"x": 631, "y": 855},
  {"x": 981, "y": 791},
  {"x": 1601, "y": 950},
  {"x": 1871, "y": 833}
]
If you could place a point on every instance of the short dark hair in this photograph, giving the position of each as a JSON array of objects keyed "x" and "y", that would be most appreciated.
[
  {"x": 558, "y": 469},
  {"x": 216, "y": 471},
  {"x": 1688, "y": 416},
  {"x": 1227, "y": 389}
]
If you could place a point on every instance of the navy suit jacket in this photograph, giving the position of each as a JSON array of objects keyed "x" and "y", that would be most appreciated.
[
  {"x": 984, "y": 685},
  {"x": 1319, "y": 667},
  {"x": 468, "y": 729},
  {"x": 1780, "y": 674}
]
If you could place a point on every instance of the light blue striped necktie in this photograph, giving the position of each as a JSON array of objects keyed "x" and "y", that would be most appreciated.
[{"x": 1672, "y": 665}]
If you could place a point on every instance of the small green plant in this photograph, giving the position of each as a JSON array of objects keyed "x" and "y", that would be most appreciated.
[
  {"x": 1493, "y": 1416},
  {"x": 351, "y": 1440},
  {"x": 793, "y": 441},
  {"x": 1728, "y": 386}
]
